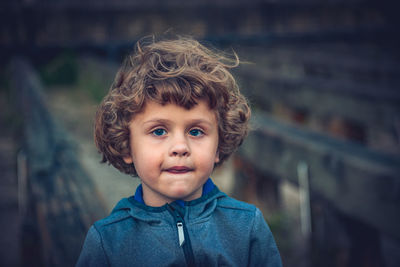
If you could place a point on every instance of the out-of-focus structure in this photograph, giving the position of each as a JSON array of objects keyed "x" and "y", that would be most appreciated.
[{"x": 323, "y": 160}]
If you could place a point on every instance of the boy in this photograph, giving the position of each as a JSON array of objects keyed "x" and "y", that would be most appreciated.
[{"x": 173, "y": 113}]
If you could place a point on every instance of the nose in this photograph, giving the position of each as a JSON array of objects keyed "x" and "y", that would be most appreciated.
[{"x": 179, "y": 147}]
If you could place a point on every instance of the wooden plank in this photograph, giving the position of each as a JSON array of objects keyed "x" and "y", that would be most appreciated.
[
  {"x": 66, "y": 200},
  {"x": 375, "y": 108},
  {"x": 338, "y": 61},
  {"x": 357, "y": 181},
  {"x": 270, "y": 80}
]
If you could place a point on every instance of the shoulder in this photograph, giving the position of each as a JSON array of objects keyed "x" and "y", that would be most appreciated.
[
  {"x": 119, "y": 215},
  {"x": 230, "y": 203},
  {"x": 241, "y": 211}
]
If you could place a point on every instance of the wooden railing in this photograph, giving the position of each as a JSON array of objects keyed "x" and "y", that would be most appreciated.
[
  {"x": 60, "y": 195},
  {"x": 359, "y": 182},
  {"x": 348, "y": 170}
]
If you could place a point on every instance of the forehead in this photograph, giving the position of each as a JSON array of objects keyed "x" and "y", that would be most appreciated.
[{"x": 153, "y": 112}]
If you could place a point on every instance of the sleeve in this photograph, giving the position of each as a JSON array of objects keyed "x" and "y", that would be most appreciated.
[
  {"x": 263, "y": 249},
  {"x": 92, "y": 253}
]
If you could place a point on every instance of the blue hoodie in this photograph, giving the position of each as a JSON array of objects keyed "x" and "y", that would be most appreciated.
[{"x": 213, "y": 230}]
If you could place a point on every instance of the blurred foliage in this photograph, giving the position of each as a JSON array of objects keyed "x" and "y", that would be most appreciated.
[
  {"x": 4, "y": 81},
  {"x": 11, "y": 120},
  {"x": 279, "y": 223},
  {"x": 94, "y": 78},
  {"x": 84, "y": 74},
  {"x": 61, "y": 70}
]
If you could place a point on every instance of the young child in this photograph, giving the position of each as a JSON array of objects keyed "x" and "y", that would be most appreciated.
[{"x": 173, "y": 113}]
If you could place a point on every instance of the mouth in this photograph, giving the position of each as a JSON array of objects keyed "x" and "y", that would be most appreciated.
[{"x": 179, "y": 169}]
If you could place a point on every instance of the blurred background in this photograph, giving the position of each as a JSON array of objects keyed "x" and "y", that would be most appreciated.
[{"x": 322, "y": 161}]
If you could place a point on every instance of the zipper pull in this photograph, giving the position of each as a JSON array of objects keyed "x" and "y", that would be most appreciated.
[{"x": 181, "y": 235}]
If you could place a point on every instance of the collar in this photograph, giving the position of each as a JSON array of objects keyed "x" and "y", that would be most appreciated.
[{"x": 207, "y": 188}]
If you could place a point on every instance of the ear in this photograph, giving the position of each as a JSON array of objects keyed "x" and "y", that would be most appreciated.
[
  {"x": 216, "y": 157},
  {"x": 128, "y": 160}
]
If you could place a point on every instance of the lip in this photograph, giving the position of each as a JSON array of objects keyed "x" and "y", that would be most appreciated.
[{"x": 178, "y": 169}]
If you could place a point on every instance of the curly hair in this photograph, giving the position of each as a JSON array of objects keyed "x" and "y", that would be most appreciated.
[{"x": 180, "y": 71}]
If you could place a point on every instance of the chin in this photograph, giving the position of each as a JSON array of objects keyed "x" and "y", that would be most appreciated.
[
  {"x": 183, "y": 194},
  {"x": 180, "y": 194}
]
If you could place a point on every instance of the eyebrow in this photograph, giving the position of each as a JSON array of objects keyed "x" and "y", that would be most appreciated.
[
  {"x": 161, "y": 121},
  {"x": 167, "y": 121}
]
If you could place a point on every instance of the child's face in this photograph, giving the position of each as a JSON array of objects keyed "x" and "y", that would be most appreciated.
[{"x": 173, "y": 150}]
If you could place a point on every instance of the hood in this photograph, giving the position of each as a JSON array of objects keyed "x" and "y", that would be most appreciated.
[{"x": 192, "y": 211}]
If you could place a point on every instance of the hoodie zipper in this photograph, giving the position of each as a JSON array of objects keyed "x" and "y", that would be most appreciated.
[{"x": 183, "y": 235}]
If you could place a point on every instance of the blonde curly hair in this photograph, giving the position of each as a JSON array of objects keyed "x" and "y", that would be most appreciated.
[{"x": 180, "y": 71}]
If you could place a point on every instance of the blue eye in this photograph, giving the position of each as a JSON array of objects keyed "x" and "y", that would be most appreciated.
[
  {"x": 196, "y": 132},
  {"x": 159, "y": 132}
]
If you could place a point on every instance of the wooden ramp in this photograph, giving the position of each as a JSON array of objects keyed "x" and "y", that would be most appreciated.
[{"x": 60, "y": 197}]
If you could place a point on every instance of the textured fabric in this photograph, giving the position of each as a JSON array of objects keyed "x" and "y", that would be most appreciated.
[
  {"x": 207, "y": 188},
  {"x": 222, "y": 231}
]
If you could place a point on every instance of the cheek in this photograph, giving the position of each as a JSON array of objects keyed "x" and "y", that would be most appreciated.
[
  {"x": 147, "y": 170},
  {"x": 207, "y": 157},
  {"x": 145, "y": 161}
]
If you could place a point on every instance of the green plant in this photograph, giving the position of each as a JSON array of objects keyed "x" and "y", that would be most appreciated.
[{"x": 62, "y": 70}]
